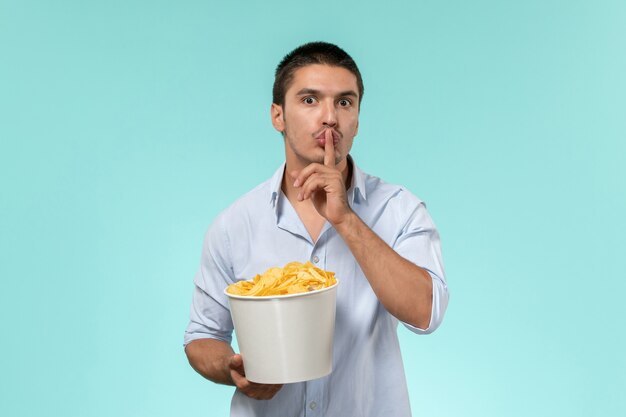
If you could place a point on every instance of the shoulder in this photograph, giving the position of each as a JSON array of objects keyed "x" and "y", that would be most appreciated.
[
  {"x": 395, "y": 209},
  {"x": 395, "y": 195},
  {"x": 255, "y": 207},
  {"x": 388, "y": 205},
  {"x": 248, "y": 204},
  {"x": 236, "y": 219}
]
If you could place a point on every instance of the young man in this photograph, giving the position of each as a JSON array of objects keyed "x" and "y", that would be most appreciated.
[{"x": 319, "y": 206}]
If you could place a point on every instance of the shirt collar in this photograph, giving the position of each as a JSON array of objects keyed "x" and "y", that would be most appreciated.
[
  {"x": 275, "y": 184},
  {"x": 356, "y": 191},
  {"x": 358, "y": 183}
]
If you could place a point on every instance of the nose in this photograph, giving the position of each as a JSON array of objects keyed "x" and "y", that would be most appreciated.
[{"x": 329, "y": 115}]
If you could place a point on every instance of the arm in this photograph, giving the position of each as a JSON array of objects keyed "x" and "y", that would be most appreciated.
[
  {"x": 216, "y": 361},
  {"x": 208, "y": 334},
  {"x": 210, "y": 358},
  {"x": 409, "y": 295}
]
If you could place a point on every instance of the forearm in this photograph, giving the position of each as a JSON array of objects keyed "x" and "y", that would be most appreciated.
[
  {"x": 401, "y": 286},
  {"x": 209, "y": 357}
]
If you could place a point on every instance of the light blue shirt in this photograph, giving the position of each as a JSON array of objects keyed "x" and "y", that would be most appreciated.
[{"x": 261, "y": 230}]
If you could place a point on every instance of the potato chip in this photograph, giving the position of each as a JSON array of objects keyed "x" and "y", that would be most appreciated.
[{"x": 293, "y": 278}]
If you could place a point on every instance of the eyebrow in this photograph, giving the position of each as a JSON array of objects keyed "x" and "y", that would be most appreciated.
[{"x": 305, "y": 91}]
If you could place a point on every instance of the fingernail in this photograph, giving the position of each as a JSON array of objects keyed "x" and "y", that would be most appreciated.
[{"x": 296, "y": 183}]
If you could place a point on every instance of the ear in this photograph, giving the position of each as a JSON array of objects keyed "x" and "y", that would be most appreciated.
[
  {"x": 356, "y": 130},
  {"x": 278, "y": 121}
]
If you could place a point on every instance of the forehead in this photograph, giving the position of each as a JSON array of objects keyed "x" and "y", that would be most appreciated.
[{"x": 325, "y": 78}]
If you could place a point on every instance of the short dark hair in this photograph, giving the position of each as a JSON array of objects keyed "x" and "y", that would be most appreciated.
[{"x": 309, "y": 54}]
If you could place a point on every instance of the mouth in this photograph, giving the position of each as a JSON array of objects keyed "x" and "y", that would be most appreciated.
[{"x": 321, "y": 137}]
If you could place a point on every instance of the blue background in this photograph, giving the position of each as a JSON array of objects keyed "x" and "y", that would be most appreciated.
[{"x": 126, "y": 127}]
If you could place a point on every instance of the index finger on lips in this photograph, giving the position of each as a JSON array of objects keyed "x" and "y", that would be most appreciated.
[{"x": 329, "y": 149}]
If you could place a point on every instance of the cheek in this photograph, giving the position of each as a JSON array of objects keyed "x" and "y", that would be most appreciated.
[
  {"x": 296, "y": 122},
  {"x": 352, "y": 124}
]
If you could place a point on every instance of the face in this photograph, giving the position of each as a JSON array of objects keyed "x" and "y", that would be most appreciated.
[{"x": 320, "y": 98}]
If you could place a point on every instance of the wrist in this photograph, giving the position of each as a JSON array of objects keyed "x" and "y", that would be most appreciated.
[{"x": 347, "y": 223}]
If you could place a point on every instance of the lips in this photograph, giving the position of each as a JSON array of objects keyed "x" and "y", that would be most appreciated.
[{"x": 321, "y": 137}]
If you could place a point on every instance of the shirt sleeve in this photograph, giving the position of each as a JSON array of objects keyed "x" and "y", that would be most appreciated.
[
  {"x": 419, "y": 243},
  {"x": 210, "y": 312}
]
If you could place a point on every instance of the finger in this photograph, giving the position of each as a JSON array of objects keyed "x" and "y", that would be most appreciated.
[
  {"x": 259, "y": 391},
  {"x": 236, "y": 362},
  {"x": 239, "y": 380},
  {"x": 294, "y": 176},
  {"x": 307, "y": 172},
  {"x": 329, "y": 149},
  {"x": 266, "y": 392},
  {"x": 313, "y": 184},
  {"x": 271, "y": 392}
]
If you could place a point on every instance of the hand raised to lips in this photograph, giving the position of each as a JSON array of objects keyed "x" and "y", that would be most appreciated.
[
  {"x": 334, "y": 134},
  {"x": 324, "y": 185}
]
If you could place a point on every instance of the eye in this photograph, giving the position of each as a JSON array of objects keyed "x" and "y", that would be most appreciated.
[
  {"x": 309, "y": 100},
  {"x": 344, "y": 102}
]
